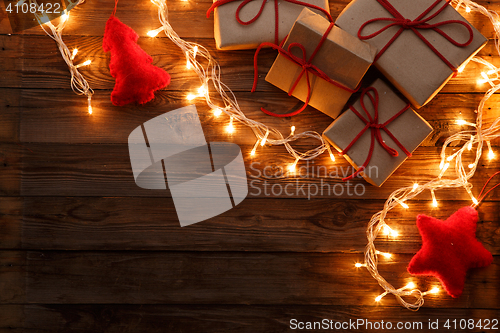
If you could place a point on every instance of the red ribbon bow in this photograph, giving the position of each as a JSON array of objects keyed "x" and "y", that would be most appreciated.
[
  {"x": 307, "y": 68},
  {"x": 375, "y": 127},
  {"x": 276, "y": 12},
  {"x": 419, "y": 23}
]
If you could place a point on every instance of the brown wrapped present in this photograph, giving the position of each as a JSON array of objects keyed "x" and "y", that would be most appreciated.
[
  {"x": 421, "y": 43},
  {"x": 320, "y": 64},
  {"x": 240, "y": 25},
  {"x": 377, "y": 133}
]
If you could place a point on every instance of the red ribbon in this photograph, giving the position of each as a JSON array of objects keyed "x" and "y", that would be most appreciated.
[
  {"x": 307, "y": 68},
  {"x": 276, "y": 12},
  {"x": 419, "y": 23},
  {"x": 375, "y": 127}
]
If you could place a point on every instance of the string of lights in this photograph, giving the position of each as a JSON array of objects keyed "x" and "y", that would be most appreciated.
[
  {"x": 78, "y": 83},
  {"x": 476, "y": 136},
  {"x": 210, "y": 73}
]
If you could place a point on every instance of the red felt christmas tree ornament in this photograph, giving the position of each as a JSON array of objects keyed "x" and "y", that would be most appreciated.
[
  {"x": 136, "y": 78},
  {"x": 450, "y": 248}
]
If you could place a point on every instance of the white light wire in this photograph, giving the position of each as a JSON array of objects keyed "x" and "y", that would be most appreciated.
[
  {"x": 211, "y": 73},
  {"x": 78, "y": 83}
]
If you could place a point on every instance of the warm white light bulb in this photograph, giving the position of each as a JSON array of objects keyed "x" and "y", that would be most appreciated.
[
  {"x": 385, "y": 254},
  {"x": 378, "y": 298},
  {"x": 292, "y": 167},
  {"x": 64, "y": 17},
  {"x": 461, "y": 122},
  {"x": 90, "y": 109},
  {"x": 471, "y": 165},
  {"x": 195, "y": 51},
  {"x": 434, "y": 290},
  {"x": 73, "y": 55},
  {"x": 292, "y": 130},
  {"x": 358, "y": 265},
  {"x": 230, "y": 127},
  {"x": 467, "y": 9},
  {"x": 190, "y": 97},
  {"x": 410, "y": 285},
  {"x": 491, "y": 72},
  {"x": 491, "y": 154},
  {"x": 332, "y": 157},
  {"x": 415, "y": 186},
  {"x": 202, "y": 90},
  {"x": 152, "y": 33},
  {"x": 217, "y": 112}
]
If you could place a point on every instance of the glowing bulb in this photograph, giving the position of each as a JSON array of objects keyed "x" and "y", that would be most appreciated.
[
  {"x": 467, "y": 9},
  {"x": 385, "y": 254},
  {"x": 190, "y": 97},
  {"x": 263, "y": 142},
  {"x": 73, "y": 55},
  {"x": 292, "y": 130},
  {"x": 188, "y": 65},
  {"x": 195, "y": 51},
  {"x": 491, "y": 72},
  {"x": 415, "y": 186},
  {"x": 379, "y": 297},
  {"x": 291, "y": 167},
  {"x": 230, "y": 127},
  {"x": 434, "y": 290},
  {"x": 441, "y": 165},
  {"x": 154, "y": 33},
  {"x": 469, "y": 146},
  {"x": 461, "y": 122},
  {"x": 446, "y": 166},
  {"x": 65, "y": 16},
  {"x": 394, "y": 233},
  {"x": 332, "y": 157},
  {"x": 491, "y": 155},
  {"x": 404, "y": 205},
  {"x": 202, "y": 90},
  {"x": 461, "y": 69},
  {"x": 254, "y": 148},
  {"x": 358, "y": 265},
  {"x": 434, "y": 201},
  {"x": 89, "y": 105},
  {"x": 86, "y": 63},
  {"x": 217, "y": 112},
  {"x": 410, "y": 285},
  {"x": 450, "y": 158},
  {"x": 471, "y": 165}
]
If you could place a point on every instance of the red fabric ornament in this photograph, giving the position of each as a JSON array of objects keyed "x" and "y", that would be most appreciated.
[
  {"x": 449, "y": 249},
  {"x": 136, "y": 78}
]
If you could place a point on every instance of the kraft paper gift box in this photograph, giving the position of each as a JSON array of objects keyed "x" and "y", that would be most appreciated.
[
  {"x": 409, "y": 63},
  {"x": 342, "y": 57},
  {"x": 408, "y": 128},
  {"x": 232, "y": 35}
]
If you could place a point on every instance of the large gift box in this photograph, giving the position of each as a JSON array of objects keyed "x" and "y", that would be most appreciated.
[
  {"x": 421, "y": 43},
  {"x": 342, "y": 59},
  {"x": 377, "y": 133},
  {"x": 242, "y": 25}
]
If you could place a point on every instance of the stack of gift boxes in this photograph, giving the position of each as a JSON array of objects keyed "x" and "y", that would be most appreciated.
[{"x": 417, "y": 46}]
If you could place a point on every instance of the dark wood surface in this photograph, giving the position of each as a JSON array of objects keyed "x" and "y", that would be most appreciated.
[{"x": 84, "y": 249}]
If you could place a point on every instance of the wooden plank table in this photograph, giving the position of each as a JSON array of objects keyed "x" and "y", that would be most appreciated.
[{"x": 84, "y": 249}]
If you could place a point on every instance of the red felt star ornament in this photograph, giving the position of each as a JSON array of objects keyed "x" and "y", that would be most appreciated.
[{"x": 449, "y": 249}]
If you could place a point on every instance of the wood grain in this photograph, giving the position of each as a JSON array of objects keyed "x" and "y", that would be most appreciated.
[
  {"x": 211, "y": 318},
  {"x": 261, "y": 225},
  {"x": 229, "y": 278}
]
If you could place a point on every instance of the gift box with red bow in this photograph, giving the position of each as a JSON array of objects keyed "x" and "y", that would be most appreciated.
[
  {"x": 319, "y": 63},
  {"x": 377, "y": 133},
  {"x": 421, "y": 43},
  {"x": 244, "y": 24}
]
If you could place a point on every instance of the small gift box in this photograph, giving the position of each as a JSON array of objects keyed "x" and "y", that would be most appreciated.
[
  {"x": 377, "y": 133},
  {"x": 320, "y": 64},
  {"x": 240, "y": 25},
  {"x": 421, "y": 43}
]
